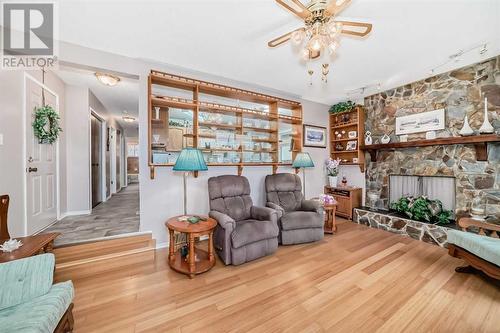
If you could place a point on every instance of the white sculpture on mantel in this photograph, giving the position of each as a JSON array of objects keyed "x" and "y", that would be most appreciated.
[
  {"x": 486, "y": 127},
  {"x": 466, "y": 129}
]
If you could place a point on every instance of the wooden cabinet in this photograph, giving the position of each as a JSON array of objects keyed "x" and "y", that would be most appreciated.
[
  {"x": 231, "y": 126},
  {"x": 347, "y": 135},
  {"x": 347, "y": 198}
]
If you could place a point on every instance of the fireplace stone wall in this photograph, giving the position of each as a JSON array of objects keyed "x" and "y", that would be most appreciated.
[{"x": 460, "y": 93}]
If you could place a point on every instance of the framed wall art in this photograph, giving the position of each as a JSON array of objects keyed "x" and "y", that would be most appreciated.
[
  {"x": 314, "y": 136},
  {"x": 420, "y": 122}
]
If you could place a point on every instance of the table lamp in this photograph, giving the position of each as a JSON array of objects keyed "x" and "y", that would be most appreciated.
[
  {"x": 303, "y": 160},
  {"x": 190, "y": 159}
]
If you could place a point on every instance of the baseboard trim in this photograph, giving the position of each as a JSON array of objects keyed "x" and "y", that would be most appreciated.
[{"x": 74, "y": 213}]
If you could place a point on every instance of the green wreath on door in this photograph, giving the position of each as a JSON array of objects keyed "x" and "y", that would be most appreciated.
[{"x": 46, "y": 124}]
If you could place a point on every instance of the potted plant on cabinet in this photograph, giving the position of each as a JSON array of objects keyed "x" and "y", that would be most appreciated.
[{"x": 332, "y": 170}]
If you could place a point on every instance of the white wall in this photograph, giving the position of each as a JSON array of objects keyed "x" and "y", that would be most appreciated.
[
  {"x": 77, "y": 150},
  {"x": 11, "y": 163}
]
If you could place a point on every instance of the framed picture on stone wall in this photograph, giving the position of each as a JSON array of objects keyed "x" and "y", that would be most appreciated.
[{"x": 420, "y": 122}]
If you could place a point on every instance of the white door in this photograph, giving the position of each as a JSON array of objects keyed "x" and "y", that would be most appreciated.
[{"x": 41, "y": 167}]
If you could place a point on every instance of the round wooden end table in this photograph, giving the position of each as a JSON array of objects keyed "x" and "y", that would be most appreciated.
[
  {"x": 197, "y": 261},
  {"x": 330, "y": 223}
]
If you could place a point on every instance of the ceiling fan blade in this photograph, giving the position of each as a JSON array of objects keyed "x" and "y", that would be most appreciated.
[
  {"x": 282, "y": 39},
  {"x": 296, "y": 7},
  {"x": 355, "y": 28},
  {"x": 336, "y": 6}
]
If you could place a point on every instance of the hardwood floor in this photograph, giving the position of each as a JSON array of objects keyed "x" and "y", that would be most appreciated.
[{"x": 360, "y": 279}]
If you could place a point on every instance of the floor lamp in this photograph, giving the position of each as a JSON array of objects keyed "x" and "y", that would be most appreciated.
[
  {"x": 190, "y": 159},
  {"x": 303, "y": 160}
]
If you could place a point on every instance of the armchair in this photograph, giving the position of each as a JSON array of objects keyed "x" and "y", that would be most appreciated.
[
  {"x": 244, "y": 232},
  {"x": 299, "y": 220},
  {"x": 29, "y": 302}
]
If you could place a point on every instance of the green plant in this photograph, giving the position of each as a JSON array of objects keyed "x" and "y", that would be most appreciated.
[
  {"x": 422, "y": 209},
  {"x": 342, "y": 107},
  {"x": 46, "y": 124}
]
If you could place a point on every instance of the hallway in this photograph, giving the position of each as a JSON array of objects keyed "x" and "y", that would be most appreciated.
[{"x": 118, "y": 215}]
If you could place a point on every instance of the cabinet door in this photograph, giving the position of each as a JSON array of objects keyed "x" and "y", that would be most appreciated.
[{"x": 343, "y": 205}]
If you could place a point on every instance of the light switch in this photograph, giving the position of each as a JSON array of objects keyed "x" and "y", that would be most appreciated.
[{"x": 1, "y": 139}]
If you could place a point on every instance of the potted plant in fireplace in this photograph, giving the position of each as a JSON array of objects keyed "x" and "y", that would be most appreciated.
[
  {"x": 423, "y": 209},
  {"x": 332, "y": 170}
]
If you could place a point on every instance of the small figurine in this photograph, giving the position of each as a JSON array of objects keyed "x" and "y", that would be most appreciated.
[
  {"x": 368, "y": 138},
  {"x": 344, "y": 181}
]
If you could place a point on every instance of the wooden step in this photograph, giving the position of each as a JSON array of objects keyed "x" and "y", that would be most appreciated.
[{"x": 84, "y": 260}]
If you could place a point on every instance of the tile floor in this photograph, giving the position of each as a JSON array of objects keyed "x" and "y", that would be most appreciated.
[{"x": 118, "y": 215}]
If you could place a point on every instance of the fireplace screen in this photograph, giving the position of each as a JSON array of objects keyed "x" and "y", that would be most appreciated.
[{"x": 433, "y": 187}]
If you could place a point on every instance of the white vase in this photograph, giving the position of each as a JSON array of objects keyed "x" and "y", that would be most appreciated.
[
  {"x": 332, "y": 180},
  {"x": 466, "y": 129},
  {"x": 486, "y": 127}
]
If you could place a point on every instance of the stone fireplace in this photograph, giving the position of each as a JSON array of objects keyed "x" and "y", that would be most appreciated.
[{"x": 459, "y": 92}]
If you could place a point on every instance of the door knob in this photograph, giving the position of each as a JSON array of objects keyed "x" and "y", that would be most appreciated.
[{"x": 30, "y": 169}]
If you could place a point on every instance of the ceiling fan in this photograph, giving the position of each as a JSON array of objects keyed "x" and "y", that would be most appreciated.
[{"x": 321, "y": 30}]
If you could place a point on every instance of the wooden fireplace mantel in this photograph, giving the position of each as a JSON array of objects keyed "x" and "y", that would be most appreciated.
[{"x": 479, "y": 141}]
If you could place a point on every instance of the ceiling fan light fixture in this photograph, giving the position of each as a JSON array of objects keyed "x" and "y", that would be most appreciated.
[
  {"x": 332, "y": 47},
  {"x": 298, "y": 36},
  {"x": 315, "y": 44},
  {"x": 305, "y": 54},
  {"x": 107, "y": 79}
]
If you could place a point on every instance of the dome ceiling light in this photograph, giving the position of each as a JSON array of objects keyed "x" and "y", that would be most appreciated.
[{"x": 107, "y": 79}]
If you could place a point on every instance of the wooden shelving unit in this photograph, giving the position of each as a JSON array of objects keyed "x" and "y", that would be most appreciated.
[
  {"x": 255, "y": 129},
  {"x": 479, "y": 141},
  {"x": 341, "y": 124}
]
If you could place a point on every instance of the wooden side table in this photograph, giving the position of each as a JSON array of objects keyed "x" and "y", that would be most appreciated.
[
  {"x": 347, "y": 198},
  {"x": 189, "y": 265},
  {"x": 32, "y": 245},
  {"x": 330, "y": 223}
]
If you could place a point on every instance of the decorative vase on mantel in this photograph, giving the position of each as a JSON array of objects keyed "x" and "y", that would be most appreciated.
[
  {"x": 332, "y": 180},
  {"x": 466, "y": 129},
  {"x": 486, "y": 127}
]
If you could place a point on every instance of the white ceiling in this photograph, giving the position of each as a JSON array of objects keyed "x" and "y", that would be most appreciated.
[
  {"x": 229, "y": 38},
  {"x": 122, "y": 97}
]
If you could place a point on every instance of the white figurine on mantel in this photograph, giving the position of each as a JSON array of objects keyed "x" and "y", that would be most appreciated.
[
  {"x": 466, "y": 129},
  {"x": 486, "y": 127},
  {"x": 385, "y": 139},
  {"x": 368, "y": 138}
]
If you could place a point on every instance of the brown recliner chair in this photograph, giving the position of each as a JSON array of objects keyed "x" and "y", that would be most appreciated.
[
  {"x": 299, "y": 220},
  {"x": 244, "y": 232}
]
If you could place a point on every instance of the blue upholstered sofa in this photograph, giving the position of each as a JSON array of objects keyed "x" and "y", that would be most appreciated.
[
  {"x": 480, "y": 251},
  {"x": 29, "y": 301}
]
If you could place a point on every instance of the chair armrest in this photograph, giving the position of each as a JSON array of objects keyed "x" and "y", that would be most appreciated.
[
  {"x": 224, "y": 220},
  {"x": 311, "y": 206},
  {"x": 279, "y": 210},
  {"x": 263, "y": 213}
]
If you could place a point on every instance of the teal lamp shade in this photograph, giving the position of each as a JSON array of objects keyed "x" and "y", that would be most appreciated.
[
  {"x": 303, "y": 160},
  {"x": 190, "y": 159}
]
